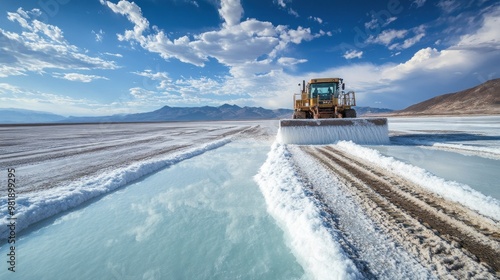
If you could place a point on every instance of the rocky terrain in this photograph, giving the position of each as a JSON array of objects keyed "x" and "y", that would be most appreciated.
[{"x": 483, "y": 99}]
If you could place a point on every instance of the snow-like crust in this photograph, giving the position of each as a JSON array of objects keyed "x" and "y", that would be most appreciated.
[
  {"x": 315, "y": 246},
  {"x": 450, "y": 190}
]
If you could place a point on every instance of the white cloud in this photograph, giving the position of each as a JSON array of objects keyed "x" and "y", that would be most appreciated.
[
  {"x": 281, "y": 3},
  {"x": 113, "y": 54},
  {"x": 199, "y": 86},
  {"x": 408, "y": 42},
  {"x": 375, "y": 22},
  {"x": 353, "y": 54},
  {"x": 389, "y": 20},
  {"x": 141, "y": 93},
  {"x": 237, "y": 44},
  {"x": 162, "y": 78},
  {"x": 387, "y": 36},
  {"x": 9, "y": 89},
  {"x": 99, "y": 35},
  {"x": 41, "y": 46},
  {"x": 317, "y": 19},
  {"x": 231, "y": 11},
  {"x": 487, "y": 36},
  {"x": 134, "y": 15},
  {"x": 154, "y": 76},
  {"x": 77, "y": 77},
  {"x": 290, "y": 61}
]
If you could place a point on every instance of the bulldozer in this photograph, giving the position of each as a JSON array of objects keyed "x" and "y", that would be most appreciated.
[
  {"x": 324, "y": 114},
  {"x": 324, "y": 98}
]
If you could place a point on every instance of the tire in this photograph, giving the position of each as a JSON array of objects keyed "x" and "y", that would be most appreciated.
[{"x": 350, "y": 113}]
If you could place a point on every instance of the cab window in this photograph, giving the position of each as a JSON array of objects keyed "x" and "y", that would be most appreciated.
[{"x": 323, "y": 90}]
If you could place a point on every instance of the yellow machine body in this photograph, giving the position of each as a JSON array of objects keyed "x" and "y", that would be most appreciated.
[
  {"x": 324, "y": 114},
  {"x": 324, "y": 98}
]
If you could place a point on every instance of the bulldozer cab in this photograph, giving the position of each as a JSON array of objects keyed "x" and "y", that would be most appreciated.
[{"x": 323, "y": 91}]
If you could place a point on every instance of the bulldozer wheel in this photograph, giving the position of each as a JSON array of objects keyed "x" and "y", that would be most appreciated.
[{"x": 349, "y": 113}]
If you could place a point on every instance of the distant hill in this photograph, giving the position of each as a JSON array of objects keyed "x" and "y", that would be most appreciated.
[
  {"x": 166, "y": 113},
  {"x": 9, "y": 115},
  {"x": 205, "y": 113},
  {"x": 483, "y": 99}
]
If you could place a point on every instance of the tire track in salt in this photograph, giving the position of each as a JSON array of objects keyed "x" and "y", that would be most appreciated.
[{"x": 445, "y": 236}]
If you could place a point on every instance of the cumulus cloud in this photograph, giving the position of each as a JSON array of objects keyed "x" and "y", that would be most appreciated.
[
  {"x": 235, "y": 44},
  {"x": 41, "y": 46},
  {"x": 77, "y": 77},
  {"x": 231, "y": 11}
]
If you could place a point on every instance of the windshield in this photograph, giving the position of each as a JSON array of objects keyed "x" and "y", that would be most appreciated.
[{"x": 324, "y": 90}]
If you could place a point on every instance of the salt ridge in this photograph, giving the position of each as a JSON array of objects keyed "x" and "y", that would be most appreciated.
[
  {"x": 34, "y": 207},
  {"x": 315, "y": 246},
  {"x": 454, "y": 191}
]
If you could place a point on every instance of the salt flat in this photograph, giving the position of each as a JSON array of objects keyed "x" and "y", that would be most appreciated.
[
  {"x": 320, "y": 196},
  {"x": 49, "y": 156}
]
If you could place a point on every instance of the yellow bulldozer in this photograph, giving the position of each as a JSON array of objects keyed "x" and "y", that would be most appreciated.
[
  {"x": 323, "y": 99},
  {"x": 324, "y": 114}
]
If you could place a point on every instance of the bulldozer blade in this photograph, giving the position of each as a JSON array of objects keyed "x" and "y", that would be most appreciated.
[{"x": 369, "y": 131}]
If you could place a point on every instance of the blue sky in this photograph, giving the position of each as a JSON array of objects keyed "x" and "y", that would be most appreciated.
[{"x": 97, "y": 57}]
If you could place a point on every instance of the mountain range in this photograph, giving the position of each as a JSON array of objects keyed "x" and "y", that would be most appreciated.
[
  {"x": 10, "y": 115},
  {"x": 204, "y": 113},
  {"x": 166, "y": 113}
]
